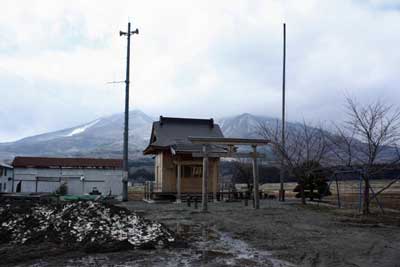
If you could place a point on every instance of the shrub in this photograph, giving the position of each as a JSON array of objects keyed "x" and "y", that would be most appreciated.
[{"x": 62, "y": 189}]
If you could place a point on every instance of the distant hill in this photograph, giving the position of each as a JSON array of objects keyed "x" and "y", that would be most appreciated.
[
  {"x": 243, "y": 126},
  {"x": 103, "y": 137},
  {"x": 98, "y": 138}
]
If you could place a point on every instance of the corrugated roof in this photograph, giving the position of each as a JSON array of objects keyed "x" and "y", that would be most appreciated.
[
  {"x": 44, "y": 162},
  {"x": 175, "y": 131}
]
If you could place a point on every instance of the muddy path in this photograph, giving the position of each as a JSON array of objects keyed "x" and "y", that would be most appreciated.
[{"x": 200, "y": 246}]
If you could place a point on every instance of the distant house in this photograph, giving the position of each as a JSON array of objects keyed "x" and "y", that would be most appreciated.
[
  {"x": 6, "y": 174},
  {"x": 173, "y": 151},
  {"x": 81, "y": 175}
]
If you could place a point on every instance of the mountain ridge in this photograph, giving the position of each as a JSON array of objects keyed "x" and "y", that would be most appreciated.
[{"x": 102, "y": 137}]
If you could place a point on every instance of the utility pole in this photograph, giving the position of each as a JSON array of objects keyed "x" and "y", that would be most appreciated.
[
  {"x": 282, "y": 172},
  {"x": 126, "y": 128}
]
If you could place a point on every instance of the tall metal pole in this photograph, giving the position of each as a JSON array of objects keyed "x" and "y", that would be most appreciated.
[
  {"x": 282, "y": 172},
  {"x": 126, "y": 128}
]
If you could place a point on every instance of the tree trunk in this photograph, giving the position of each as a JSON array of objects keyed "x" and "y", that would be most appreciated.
[
  {"x": 366, "y": 200},
  {"x": 311, "y": 193},
  {"x": 303, "y": 195}
]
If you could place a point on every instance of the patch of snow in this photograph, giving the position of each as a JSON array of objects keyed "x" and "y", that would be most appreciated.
[
  {"x": 81, "y": 223},
  {"x": 82, "y": 129}
]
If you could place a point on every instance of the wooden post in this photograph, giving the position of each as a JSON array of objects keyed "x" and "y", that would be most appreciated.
[
  {"x": 145, "y": 190},
  {"x": 221, "y": 192},
  {"x": 178, "y": 183},
  {"x": 215, "y": 182},
  {"x": 337, "y": 191},
  {"x": 360, "y": 195},
  {"x": 205, "y": 180},
  {"x": 255, "y": 179},
  {"x": 151, "y": 186}
]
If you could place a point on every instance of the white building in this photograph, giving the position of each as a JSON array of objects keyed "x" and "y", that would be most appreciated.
[
  {"x": 81, "y": 175},
  {"x": 6, "y": 174}
]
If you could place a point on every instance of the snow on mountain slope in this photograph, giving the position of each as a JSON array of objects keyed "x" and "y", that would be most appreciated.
[
  {"x": 82, "y": 129},
  {"x": 243, "y": 126}
]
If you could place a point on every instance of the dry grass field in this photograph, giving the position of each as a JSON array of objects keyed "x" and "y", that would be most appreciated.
[
  {"x": 349, "y": 192},
  {"x": 136, "y": 192}
]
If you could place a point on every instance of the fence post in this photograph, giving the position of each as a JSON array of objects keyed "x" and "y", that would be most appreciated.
[
  {"x": 255, "y": 179},
  {"x": 337, "y": 190}
]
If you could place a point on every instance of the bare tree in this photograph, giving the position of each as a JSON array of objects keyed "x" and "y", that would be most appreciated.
[
  {"x": 243, "y": 173},
  {"x": 341, "y": 144},
  {"x": 305, "y": 150},
  {"x": 363, "y": 139}
]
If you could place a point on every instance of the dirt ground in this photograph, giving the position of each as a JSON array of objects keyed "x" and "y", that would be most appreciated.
[
  {"x": 304, "y": 236},
  {"x": 231, "y": 234}
]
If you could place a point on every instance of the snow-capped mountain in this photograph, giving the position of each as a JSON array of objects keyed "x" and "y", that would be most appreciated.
[
  {"x": 248, "y": 125},
  {"x": 103, "y": 137},
  {"x": 99, "y": 138},
  {"x": 243, "y": 126}
]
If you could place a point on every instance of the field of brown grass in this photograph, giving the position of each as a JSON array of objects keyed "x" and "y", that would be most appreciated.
[
  {"x": 136, "y": 192},
  {"x": 349, "y": 192}
]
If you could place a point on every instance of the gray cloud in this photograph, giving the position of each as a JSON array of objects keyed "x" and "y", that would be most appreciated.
[{"x": 192, "y": 58}]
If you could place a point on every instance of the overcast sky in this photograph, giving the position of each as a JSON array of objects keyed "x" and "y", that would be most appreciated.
[{"x": 192, "y": 58}]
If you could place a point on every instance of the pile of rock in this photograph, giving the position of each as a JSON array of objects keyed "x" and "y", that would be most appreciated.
[{"x": 87, "y": 225}]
